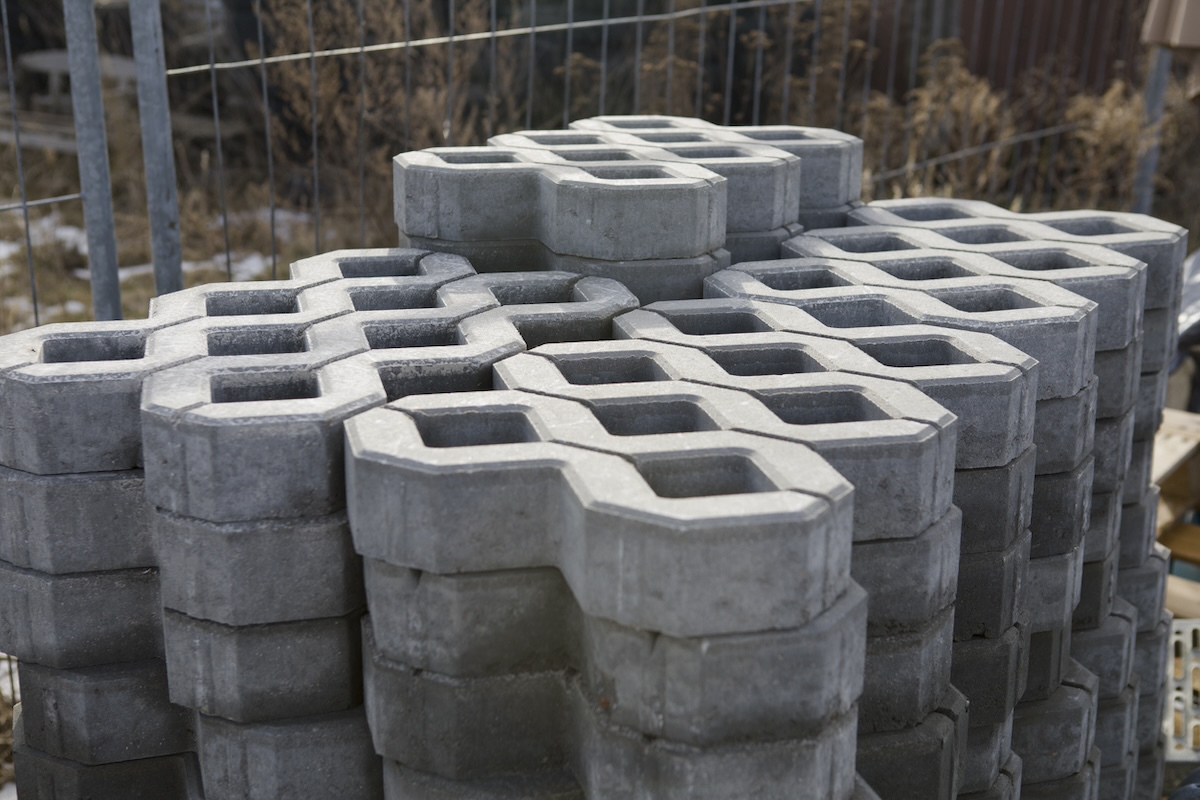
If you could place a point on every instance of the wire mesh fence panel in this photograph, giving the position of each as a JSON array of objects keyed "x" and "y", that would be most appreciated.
[{"x": 284, "y": 116}]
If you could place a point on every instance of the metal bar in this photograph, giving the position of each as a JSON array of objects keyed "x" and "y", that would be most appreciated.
[
  {"x": 566, "y": 115},
  {"x": 814, "y": 68},
  {"x": 158, "y": 155},
  {"x": 87, "y": 104},
  {"x": 759, "y": 46},
  {"x": 1105, "y": 41},
  {"x": 492, "y": 90},
  {"x": 994, "y": 49},
  {"x": 730, "y": 51},
  {"x": 603, "y": 57},
  {"x": 841, "y": 90},
  {"x": 532, "y": 63},
  {"x": 787, "y": 63},
  {"x": 967, "y": 152},
  {"x": 670, "y": 54},
  {"x": 1033, "y": 173},
  {"x": 316, "y": 152},
  {"x": 637, "y": 58},
  {"x": 362, "y": 128},
  {"x": 872, "y": 29},
  {"x": 408, "y": 70},
  {"x": 448, "y": 123},
  {"x": 700, "y": 62},
  {"x": 45, "y": 201},
  {"x": 479, "y": 36},
  {"x": 1156, "y": 91},
  {"x": 262, "y": 74},
  {"x": 1062, "y": 89},
  {"x": 24, "y": 205},
  {"x": 891, "y": 77},
  {"x": 913, "y": 75}
]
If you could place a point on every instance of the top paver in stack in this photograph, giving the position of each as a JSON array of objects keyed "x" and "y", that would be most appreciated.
[
  {"x": 1142, "y": 567},
  {"x": 79, "y": 589}
]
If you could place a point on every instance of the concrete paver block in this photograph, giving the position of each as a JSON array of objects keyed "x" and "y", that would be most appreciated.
[
  {"x": 1007, "y": 785},
  {"x": 401, "y": 783},
  {"x": 88, "y": 522},
  {"x": 996, "y": 503},
  {"x": 1054, "y": 737},
  {"x": 991, "y": 590},
  {"x": 990, "y": 673},
  {"x": 1053, "y": 589},
  {"x": 44, "y": 777},
  {"x": 1116, "y": 724},
  {"x": 445, "y": 638},
  {"x": 1150, "y": 716},
  {"x": 756, "y": 245},
  {"x": 906, "y": 675},
  {"x": 1137, "y": 479},
  {"x": 431, "y": 477},
  {"x": 1118, "y": 780},
  {"x": 1082, "y": 785},
  {"x": 1152, "y": 396},
  {"x": 988, "y": 749},
  {"x": 1152, "y": 651},
  {"x": 914, "y": 763},
  {"x": 1055, "y": 326},
  {"x": 1064, "y": 430},
  {"x": 991, "y": 387},
  {"x": 1104, "y": 524},
  {"x": 1114, "y": 451},
  {"x": 1159, "y": 339},
  {"x": 256, "y": 673},
  {"x": 248, "y": 573},
  {"x": 1138, "y": 526},
  {"x": 1119, "y": 373},
  {"x": 1062, "y": 509},
  {"x": 1049, "y": 656},
  {"x": 1108, "y": 650},
  {"x": 1149, "y": 780},
  {"x": 69, "y": 396},
  {"x": 326, "y": 755},
  {"x": 1145, "y": 587},
  {"x": 80, "y": 619},
  {"x": 102, "y": 714},
  {"x": 1097, "y": 588}
]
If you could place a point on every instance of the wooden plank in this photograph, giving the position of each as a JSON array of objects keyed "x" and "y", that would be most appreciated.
[
  {"x": 1184, "y": 541},
  {"x": 1177, "y": 441},
  {"x": 1183, "y": 597}
]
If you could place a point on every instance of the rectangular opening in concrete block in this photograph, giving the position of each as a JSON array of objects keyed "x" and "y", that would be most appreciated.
[
  {"x": 563, "y": 138},
  {"x": 401, "y": 380},
  {"x": 640, "y": 172},
  {"x": 614, "y": 368},
  {"x": 1093, "y": 226},
  {"x": 1044, "y": 260},
  {"x": 822, "y": 408},
  {"x": 713, "y": 151},
  {"x": 862, "y": 312},
  {"x": 99, "y": 347},
  {"x": 411, "y": 333},
  {"x": 929, "y": 212},
  {"x": 474, "y": 427},
  {"x": 797, "y": 280},
  {"x": 668, "y": 138},
  {"x": 872, "y": 242},
  {"x": 236, "y": 304},
  {"x": 256, "y": 341},
  {"x": 481, "y": 156},
  {"x": 916, "y": 353},
  {"x": 648, "y": 418},
  {"x": 779, "y": 136},
  {"x": 925, "y": 269},
  {"x": 380, "y": 266},
  {"x": 642, "y": 124},
  {"x": 596, "y": 155},
  {"x": 389, "y": 298},
  {"x": 704, "y": 475},
  {"x": 717, "y": 322},
  {"x": 260, "y": 387},
  {"x": 983, "y": 234},
  {"x": 517, "y": 293},
  {"x": 772, "y": 360},
  {"x": 986, "y": 300}
]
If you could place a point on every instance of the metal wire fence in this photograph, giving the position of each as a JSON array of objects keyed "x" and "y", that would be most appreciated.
[{"x": 244, "y": 134}]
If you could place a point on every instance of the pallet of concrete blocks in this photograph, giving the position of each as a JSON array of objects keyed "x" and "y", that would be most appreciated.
[
  {"x": 262, "y": 589},
  {"x": 548, "y": 615},
  {"x": 762, "y": 183},
  {"x": 831, "y": 161},
  {"x": 79, "y": 593},
  {"x": 991, "y": 387},
  {"x": 656, "y": 226}
]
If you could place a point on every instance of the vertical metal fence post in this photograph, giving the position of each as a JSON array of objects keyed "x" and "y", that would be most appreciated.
[
  {"x": 154, "y": 114},
  {"x": 1156, "y": 90},
  {"x": 91, "y": 138}
]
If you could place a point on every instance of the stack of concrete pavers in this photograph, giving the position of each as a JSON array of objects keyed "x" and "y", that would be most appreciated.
[
  {"x": 1142, "y": 567},
  {"x": 763, "y": 183},
  {"x": 991, "y": 387},
  {"x": 647, "y": 603},
  {"x": 79, "y": 588},
  {"x": 831, "y": 161},
  {"x": 656, "y": 226},
  {"x": 1053, "y": 324},
  {"x": 267, "y": 647}
]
